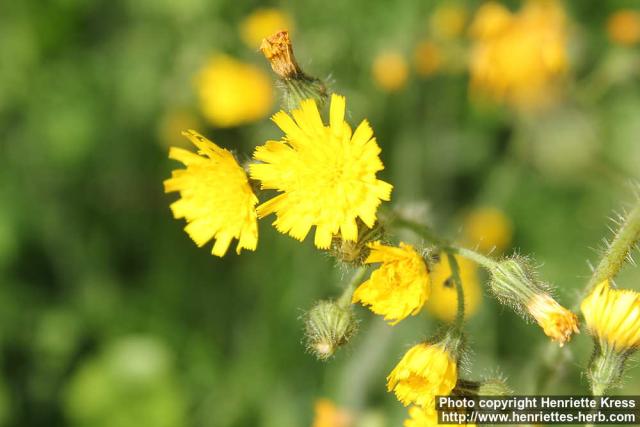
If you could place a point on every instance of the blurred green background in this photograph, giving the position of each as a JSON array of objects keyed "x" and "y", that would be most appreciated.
[{"x": 111, "y": 316}]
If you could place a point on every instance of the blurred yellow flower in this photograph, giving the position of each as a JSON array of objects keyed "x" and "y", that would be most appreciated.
[
  {"x": 488, "y": 229},
  {"x": 261, "y": 23},
  {"x": 232, "y": 92},
  {"x": 557, "y": 322},
  {"x": 519, "y": 58},
  {"x": 327, "y": 414},
  {"x": 215, "y": 196},
  {"x": 613, "y": 316},
  {"x": 399, "y": 287},
  {"x": 326, "y": 174},
  {"x": 390, "y": 71},
  {"x": 448, "y": 21},
  {"x": 623, "y": 27},
  {"x": 443, "y": 302},
  {"x": 425, "y": 417},
  {"x": 427, "y": 58},
  {"x": 425, "y": 371}
]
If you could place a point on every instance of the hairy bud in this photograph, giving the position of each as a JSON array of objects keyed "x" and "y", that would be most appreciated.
[{"x": 328, "y": 326}]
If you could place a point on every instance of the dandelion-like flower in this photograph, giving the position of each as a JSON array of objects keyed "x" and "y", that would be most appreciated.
[
  {"x": 443, "y": 301},
  {"x": 557, "y": 322},
  {"x": 215, "y": 196},
  {"x": 326, "y": 175},
  {"x": 425, "y": 371},
  {"x": 399, "y": 287},
  {"x": 519, "y": 58},
  {"x": 613, "y": 316},
  {"x": 232, "y": 92}
]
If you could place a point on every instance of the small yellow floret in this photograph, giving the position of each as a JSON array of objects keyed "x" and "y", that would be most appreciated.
[
  {"x": 327, "y": 414},
  {"x": 613, "y": 316},
  {"x": 232, "y": 92},
  {"x": 443, "y": 301},
  {"x": 399, "y": 287},
  {"x": 215, "y": 196},
  {"x": 326, "y": 175},
  {"x": 557, "y": 322},
  {"x": 390, "y": 71},
  {"x": 424, "y": 372}
]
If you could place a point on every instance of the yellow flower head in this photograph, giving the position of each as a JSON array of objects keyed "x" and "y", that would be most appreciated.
[
  {"x": 425, "y": 417},
  {"x": 215, "y": 196},
  {"x": 326, "y": 174},
  {"x": 424, "y": 372},
  {"x": 557, "y": 322},
  {"x": 489, "y": 229},
  {"x": 399, "y": 287},
  {"x": 390, "y": 71},
  {"x": 329, "y": 415},
  {"x": 443, "y": 302},
  {"x": 427, "y": 58},
  {"x": 613, "y": 316},
  {"x": 623, "y": 27},
  {"x": 233, "y": 93},
  {"x": 519, "y": 58},
  {"x": 261, "y": 23}
]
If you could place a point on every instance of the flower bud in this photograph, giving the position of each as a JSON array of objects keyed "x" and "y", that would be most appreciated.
[
  {"x": 296, "y": 85},
  {"x": 328, "y": 326},
  {"x": 514, "y": 282},
  {"x": 490, "y": 387}
]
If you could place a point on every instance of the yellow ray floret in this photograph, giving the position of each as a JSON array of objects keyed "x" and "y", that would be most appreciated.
[
  {"x": 613, "y": 316},
  {"x": 326, "y": 175},
  {"x": 425, "y": 371},
  {"x": 557, "y": 322},
  {"x": 215, "y": 196},
  {"x": 399, "y": 287}
]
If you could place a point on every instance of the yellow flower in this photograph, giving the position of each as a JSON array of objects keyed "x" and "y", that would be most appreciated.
[
  {"x": 215, "y": 196},
  {"x": 390, "y": 71},
  {"x": 427, "y": 58},
  {"x": 261, "y": 23},
  {"x": 425, "y": 417},
  {"x": 557, "y": 322},
  {"x": 326, "y": 174},
  {"x": 489, "y": 229},
  {"x": 399, "y": 287},
  {"x": 623, "y": 27},
  {"x": 443, "y": 302},
  {"x": 424, "y": 372},
  {"x": 329, "y": 415},
  {"x": 448, "y": 21},
  {"x": 613, "y": 316},
  {"x": 233, "y": 93},
  {"x": 519, "y": 58}
]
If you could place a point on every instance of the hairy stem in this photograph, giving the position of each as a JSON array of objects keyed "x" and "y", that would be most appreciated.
[
  {"x": 344, "y": 300},
  {"x": 618, "y": 251}
]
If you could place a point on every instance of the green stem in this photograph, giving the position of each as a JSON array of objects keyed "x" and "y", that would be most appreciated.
[
  {"x": 623, "y": 242},
  {"x": 345, "y": 299},
  {"x": 426, "y": 233},
  {"x": 455, "y": 274}
]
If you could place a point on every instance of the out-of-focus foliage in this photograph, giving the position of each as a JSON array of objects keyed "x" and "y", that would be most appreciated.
[{"x": 111, "y": 316}]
